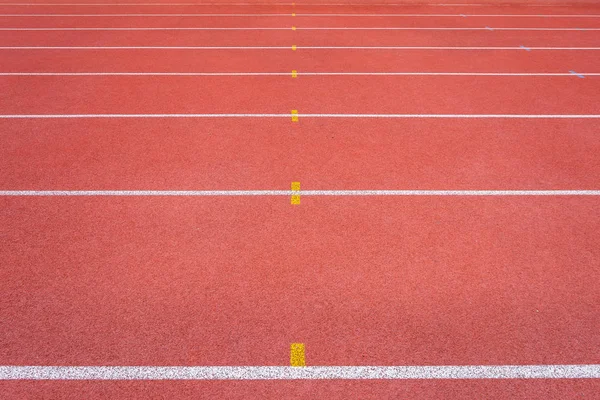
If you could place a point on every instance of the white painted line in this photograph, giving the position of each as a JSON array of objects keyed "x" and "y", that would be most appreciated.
[
  {"x": 569, "y": 74},
  {"x": 454, "y": 15},
  {"x": 147, "y": 15},
  {"x": 150, "y": 29},
  {"x": 278, "y": 4},
  {"x": 444, "y": 29},
  {"x": 145, "y": 47},
  {"x": 298, "y": 29},
  {"x": 456, "y": 116},
  {"x": 275, "y": 4},
  {"x": 302, "y": 192},
  {"x": 289, "y": 48},
  {"x": 153, "y": 74},
  {"x": 312, "y": 15},
  {"x": 275, "y": 373}
]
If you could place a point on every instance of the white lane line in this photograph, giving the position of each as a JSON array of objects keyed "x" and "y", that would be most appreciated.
[
  {"x": 453, "y": 15},
  {"x": 289, "y": 48},
  {"x": 302, "y": 192},
  {"x": 151, "y": 29},
  {"x": 445, "y": 29},
  {"x": 278, "y": 4},
  {"x": 311, "y": 15},
  {"x": 275, "y": 373},
  {"x": 568, "y": 74},
  {"x": 274, "y": 4},
  {"x": 147, "y": 15},
  {"x": 455, "y": 116},
  {"x": 299, "y": 29}
]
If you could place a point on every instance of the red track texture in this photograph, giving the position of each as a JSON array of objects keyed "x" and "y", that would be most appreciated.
[{"x": 360, "y": 281}]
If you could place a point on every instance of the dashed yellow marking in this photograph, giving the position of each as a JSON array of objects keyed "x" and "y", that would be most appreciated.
[
  {"x": 293, "y": 14},
  {"x": 296, "y": 200},
  {"x": 294, "y": 47},
  {"x": 294, "y": 115},
  {"x": 293, "y": 28},
  {"x": 294, "y": 73},
  {"x": 297, "y": 358}
]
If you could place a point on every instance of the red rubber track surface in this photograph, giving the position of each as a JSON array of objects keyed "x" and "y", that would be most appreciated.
[
  {"x": 360, "y": 280},
  {"x": 303, "y": 60},
  {"x": 447, "y": 389},
  {"x": 263, "y": 154},
  {"x": 182, "y": 281},
  {"x": 305, "y": 38},
  {"x": 289, "y": 21},
  {"x": 353, "y": 95}
]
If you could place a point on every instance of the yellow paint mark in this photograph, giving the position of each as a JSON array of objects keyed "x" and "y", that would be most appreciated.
[
  {"x": 294, "y": 47},
  {"x": 294, "y": 73},
  {"x": 293, "y": 28},
  {"x": 293, "y": 14},
  {"x": 294, "y": 115},
  {"x": 297, "y": 358},
  {"x": 296, "y": 199}
]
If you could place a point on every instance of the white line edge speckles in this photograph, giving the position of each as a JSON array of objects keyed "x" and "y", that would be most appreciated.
[{"x": 280, "y": 372}]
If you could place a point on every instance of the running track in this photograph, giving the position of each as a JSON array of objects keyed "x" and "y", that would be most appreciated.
[{"x": 483, "y": 264}]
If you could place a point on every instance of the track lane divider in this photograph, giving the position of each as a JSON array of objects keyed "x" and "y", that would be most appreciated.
[
  {"x": 584, "y": 371},
  {"x": 310, "y": 15},
  {"x": 209, "y": 193},
  {"x": 356, "y": 28},
  {"x": 295, "y": 116},
  {"x": 295, "y": 74},
  {"x": 294, "y": 47}
]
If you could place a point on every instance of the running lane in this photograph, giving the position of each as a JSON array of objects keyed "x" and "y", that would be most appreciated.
[
  {"x": 282, "y": 8},
  {"x": 539, "y": 389},
  {"x": 303, "y": 60},
  {"x": 322, "y": 19},
  {"x": 286, "y": 37},
  {"x": 250, "y": 154},
  {"x": 385, "y": 281},
  {"x": 310, "y": 95}
]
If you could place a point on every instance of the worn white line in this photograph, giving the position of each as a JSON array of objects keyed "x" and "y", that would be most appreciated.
[
  {"x": 289, "y": 47},
  {"x": 302, "y": 192},
  {"x": 567, "y": 74},
  {"x": 299, "y": 29},
  {"x": 275, "y": 373},
  {"x": 416, "y": 116},
  {"x": 310, "y": 15}
]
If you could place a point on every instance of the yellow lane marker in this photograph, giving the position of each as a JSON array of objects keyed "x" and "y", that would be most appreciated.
[
  {"x": 296, "y": 200},
  {"x": 294, "y": 115},
  {"x": 293, "y": 14},
  {"x": 297, "y": 358},
  {"x": 293, "y": 28},
  {"x": 294, "y": 73},
  {"x": 294, "y": 47}
]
